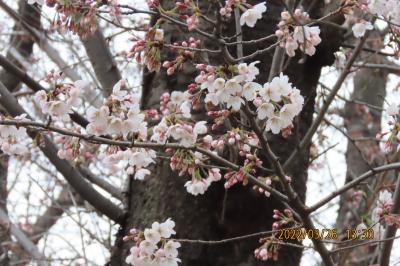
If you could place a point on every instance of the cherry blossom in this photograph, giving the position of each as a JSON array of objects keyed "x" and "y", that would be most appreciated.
[
  {"x": 11, "y": 138},
  {"x": 308, "y": 38},
  {"x": 196, "y": 187},
  {"x": 384, "y": 204},
  {"x": 59, "y": 102},
  {"x": 295, "y": 34},
  {"x": 360, "y": 28},
  {"x": 153, "y": 246},
  {"x": 389, "y": 9},
  {"x": 251, "y": 15},
  {"x": 187, "y": 134},
  {"x": 393, "y": 109}
]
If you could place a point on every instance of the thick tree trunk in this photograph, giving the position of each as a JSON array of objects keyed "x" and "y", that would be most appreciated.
[{"x": 238, "y": 211}]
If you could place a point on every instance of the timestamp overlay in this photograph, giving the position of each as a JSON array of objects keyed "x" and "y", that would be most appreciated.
[{"x": 325, "y": 234}]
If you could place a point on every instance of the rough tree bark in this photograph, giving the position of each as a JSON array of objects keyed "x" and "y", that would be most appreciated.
[{"x": 222, "y": 214}]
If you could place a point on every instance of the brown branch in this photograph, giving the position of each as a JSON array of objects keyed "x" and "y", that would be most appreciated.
[
  {"x": 45, "y": 221},
  {"x": 70, "y": 173},
  {"x": 102, "y": 183},
  {"x": 313, "y": 128},
  {"x": 23, "y": 240},
  {"x": 353, "y": 183},
  {"x": 33, "y": 85},
  {"x": 41, "y": 39},
  {"x": 390, "y": 232},
  {"x": 103, "y": 63},
  {"x": 127, "y": 144}
]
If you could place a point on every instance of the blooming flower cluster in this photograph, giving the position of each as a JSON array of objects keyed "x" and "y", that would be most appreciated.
[
  {"x": 277, "y": 101},
  {"x": 270, "y": 247},
  {"x": 389, "y": 9},
  {"x": 11, "y": 138},
  {"x": 177, "y": 103},
  {"x": 393, "y": 135},
  {"x": 153, "y": 246},
  {"x": 119, "y": 115},
  {"x": 59, "y": 102},
  {"x": 148, "y": 49},
  {"x": 384, "y": 204},
  {"x": 199, "y": 185},
  {"x": 295, "y": 34},
  {"x": 134, "y": 160}
]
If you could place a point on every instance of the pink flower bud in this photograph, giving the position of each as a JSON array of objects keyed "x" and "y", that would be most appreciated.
[
  {"x": 275, "y": 226},
  {"x": 170, "y": 71}
]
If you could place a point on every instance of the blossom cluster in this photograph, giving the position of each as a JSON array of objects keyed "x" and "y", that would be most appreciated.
[
  {"x": 148, "y": 49},
  {"x": 185, "y": 52},
  {"x": 270, "y": 247},
  {"x": 383, "y": 207},
  {"x": 11, "y": 138},
  {"x": 393, "y": 135},
  {"x": 277, "y": 101},
  {"x": 295, "y": 34},
  {"x": 153, "y": 246},
  {"x": 119, "y": 115},
  {"x": 389, "y": 9},
  {"x": 59, "y": 102}
]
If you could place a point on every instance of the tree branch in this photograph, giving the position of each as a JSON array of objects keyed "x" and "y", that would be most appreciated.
[
  {"x": 51, "y": 52},
  {"x": 33, "y": 85},
  {"x": 127, "y": 144},
  {"x": 71, "y": 174},
  {"x": 353, "y": 183},
  {"x": 390, "y": 232},
  {"x": 313, "y": 128},
  {"x": 25, "y": 242},
  {"x": 104, "y": 66}
]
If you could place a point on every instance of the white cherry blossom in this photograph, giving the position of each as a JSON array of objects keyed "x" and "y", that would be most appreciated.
[
  {"x": 251, "y": 15},
  {"x": 274, "y": 124},
  {"x": 165, "y": 229},
  {"x": 393, "y": 109},
  {"x": 265, "y": 110},
  {"x": 151, "y": 235},
  {"x": 196, "y": 187},
  {"x": 360, "y": 28}
]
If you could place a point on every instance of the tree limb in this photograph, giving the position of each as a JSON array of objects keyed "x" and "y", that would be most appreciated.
[
  {"x": 25, "y": 242},
  {"x": 390, "y": 232},
  {"x": 71, "y": 174},
  {"x": 104, "y": 66}
]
